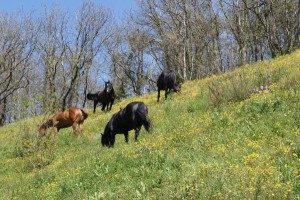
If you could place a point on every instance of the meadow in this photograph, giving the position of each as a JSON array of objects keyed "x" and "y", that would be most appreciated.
[{"x": 231, "y": 136}]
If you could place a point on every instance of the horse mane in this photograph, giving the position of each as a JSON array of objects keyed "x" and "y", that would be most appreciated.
[{"x": 48, "y": 123}]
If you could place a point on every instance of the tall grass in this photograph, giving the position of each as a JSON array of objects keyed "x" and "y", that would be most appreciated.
[
  {"x": 243, "y": 82},
  {"x": 221, "y": 138}
]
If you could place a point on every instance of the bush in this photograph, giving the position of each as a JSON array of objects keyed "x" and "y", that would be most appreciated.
[
  {"x": 36, "y": 151},
  {"x": 240, "y": 84}
]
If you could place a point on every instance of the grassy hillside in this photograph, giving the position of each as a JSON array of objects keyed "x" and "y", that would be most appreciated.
[{"x": 224, "y": 137}]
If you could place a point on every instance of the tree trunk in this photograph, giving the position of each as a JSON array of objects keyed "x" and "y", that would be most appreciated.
[{"x": 3, "y": 112}]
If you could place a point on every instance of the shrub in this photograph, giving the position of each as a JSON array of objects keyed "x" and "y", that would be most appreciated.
[{"x": 36, "y": 151}]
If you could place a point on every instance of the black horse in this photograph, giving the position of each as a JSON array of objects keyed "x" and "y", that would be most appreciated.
[
  {"x": 105, "y": 97},
  {"x": 166, "y": 82},
  {"x": 132, "y": 117}
]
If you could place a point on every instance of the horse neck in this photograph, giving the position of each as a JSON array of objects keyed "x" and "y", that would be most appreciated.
[
  {"x": 123, "y": 112},
  {"x": 107, "y": 129},
  {"x": 49, "y": 123}
]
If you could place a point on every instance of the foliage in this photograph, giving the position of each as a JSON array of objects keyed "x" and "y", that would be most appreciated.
[
  {"x": 56, "y": 57},
  {"x": 242, "y": 145}
]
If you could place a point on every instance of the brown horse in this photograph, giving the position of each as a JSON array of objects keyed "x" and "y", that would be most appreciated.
[{"x": 72, "y": 117}]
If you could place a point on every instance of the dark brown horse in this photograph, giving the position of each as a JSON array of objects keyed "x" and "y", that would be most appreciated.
[
  {"x": 167, "y": 82},
  {"x": 72, "y": 117},
  {"x": 132, "y": 117},
  {"x": 105, "y": 97}
]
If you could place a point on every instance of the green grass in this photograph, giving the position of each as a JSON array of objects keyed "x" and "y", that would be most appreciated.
[{"x": 217, "y": 139}]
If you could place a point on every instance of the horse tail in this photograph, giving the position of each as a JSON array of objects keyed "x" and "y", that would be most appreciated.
[
  {"x": 92, "y": 96},
  {"x": 85, "y": 115},
  {"x": 143, "y": 116}
]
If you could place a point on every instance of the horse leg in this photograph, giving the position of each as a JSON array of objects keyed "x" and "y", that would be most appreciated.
[
  {"x": 80, "y": 129},
  {"x": 126, "y": 137},
  {"x": 166, "y": 93},
  {"x": 111, "y": 103},
  {"x": 103, "y": 106},
  {"x": 112, "y": 140},
  {"x": 95, "y": 104},
  {"x": 74, "y": 126},
  {"x": 158, "y": 95},
  {"x": 137, "y": 131}
]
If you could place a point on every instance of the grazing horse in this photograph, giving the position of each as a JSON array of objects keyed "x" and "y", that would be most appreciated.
[
  {"x": 105, "y": 97},
  {"x": 166, "y": 82},
  {"x": 132, "y": 117},
  {"x": 72, "y": 117}
]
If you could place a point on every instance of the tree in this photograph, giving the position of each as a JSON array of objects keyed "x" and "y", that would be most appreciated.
[
  {"x": 184, "y": 32},
  {"x": 280, "y": 21},
  {"x": 128, "y": 57},
  {"x": 17, "y": 45},
  {"x": 51, "y": 49},
  {"x": 90, "y": 34}
]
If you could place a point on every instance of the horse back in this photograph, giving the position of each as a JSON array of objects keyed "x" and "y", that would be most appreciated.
[
  {"x": 68, "y": 117},
  {"x": 135, "y": 113},
  {"x": 92, "y": 96},
  {"x": 62, "y": 119},
  {"x": 166, "y": 80},
  {"x": 120, "y": 122},
  {"x": 138, "y": 113},
  {"x": 76, "y": 115}
]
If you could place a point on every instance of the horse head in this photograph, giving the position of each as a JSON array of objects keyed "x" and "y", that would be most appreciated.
[
  {"x": 104, "y": 140},
  {"x": 44, "y": 126},
  {"x": 105, "y": 137},
  {"x": 42, "y": 129},
  {"x": 177, "y": 87},
  {"x": 108, "y": 87}
]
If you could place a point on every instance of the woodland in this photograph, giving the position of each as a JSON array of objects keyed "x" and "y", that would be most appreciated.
[{"x": 50, "y": 59}]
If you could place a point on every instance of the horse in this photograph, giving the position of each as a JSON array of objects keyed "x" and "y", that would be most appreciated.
[
  {"x": 132, "y": 117},
  {"x": 166, "y": 82},
  {"x": 105, "y": 97},
  {"x": 72, "y": 117}
]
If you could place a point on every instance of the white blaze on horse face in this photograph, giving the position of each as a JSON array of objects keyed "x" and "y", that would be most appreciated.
[{"x": 108, "y": 87}]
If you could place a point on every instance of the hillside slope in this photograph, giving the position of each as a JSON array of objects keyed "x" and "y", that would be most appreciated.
[{"x": 233, "y": 136}]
